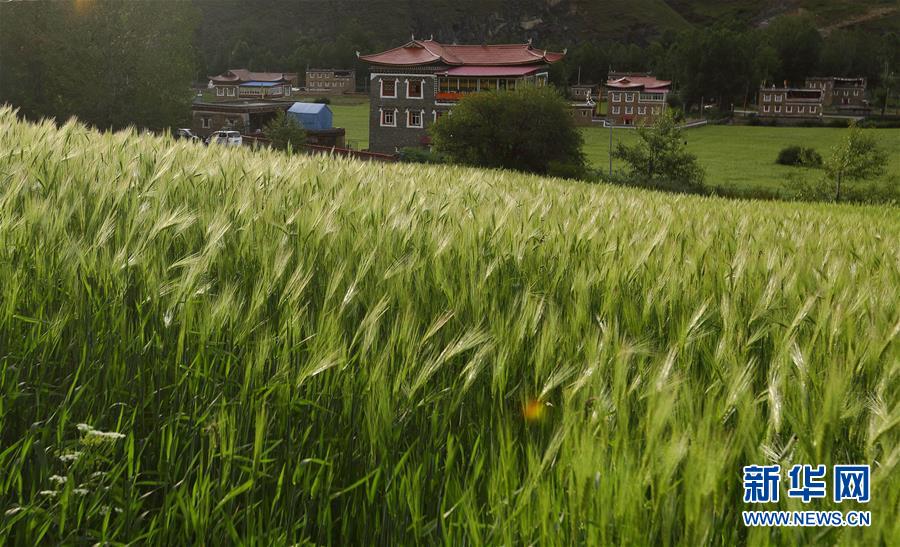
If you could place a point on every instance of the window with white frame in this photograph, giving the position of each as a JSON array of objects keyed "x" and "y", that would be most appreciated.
[
  {"x": 846, "y": 93},
  {"x": 642, "y": 110},
  {"x": 389, "y": 89},
  {"x": 414, "y": 118},
  {"x": 205, "y": 122},
  {"x": 231, "y": 92},
  {"x": 388, "y": 118},
  {"x": 220, "y": 91},
  {"x": 616, "y": 97},
  {"x": 767, "y": 98},
  {"x": 789, "y": 109},
  {"x": 777, "y": 108},
  {"x": 656, "y": 110},
  {"x": 414, "y": 89},
  {"x": 812, "y": 110},
  {"x": 778, "y": 98},
  {"x": 766, "y": 108},
  {"x": 801, "y": 109},
  {"x": 629, "y": 109},
  {"x": 629, "y": 97},
  {"x": 616, "y": 109},
  {"x": 856, "y": 93}
]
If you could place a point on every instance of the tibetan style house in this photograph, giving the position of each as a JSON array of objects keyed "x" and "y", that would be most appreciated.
[
  {"x": 633, "y": 99},
  {"x": 415, "y": 84}
]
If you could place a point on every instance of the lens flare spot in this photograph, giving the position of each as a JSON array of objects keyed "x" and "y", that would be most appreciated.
[{"x": 534, "y": 410}]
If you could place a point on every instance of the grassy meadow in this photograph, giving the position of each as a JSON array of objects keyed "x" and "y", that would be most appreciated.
[
  {"x": 209, "y": 345},
  {"x": 743, "y": 157},
  {"x": 740, "y": 158}
]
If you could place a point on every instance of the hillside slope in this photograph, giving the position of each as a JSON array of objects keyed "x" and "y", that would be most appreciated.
[
  {"x": 549, "y": 21},
  {"x": 204, "y": 343}
]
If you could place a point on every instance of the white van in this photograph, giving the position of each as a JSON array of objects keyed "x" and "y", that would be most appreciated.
[{"x": 228, "y": 138}]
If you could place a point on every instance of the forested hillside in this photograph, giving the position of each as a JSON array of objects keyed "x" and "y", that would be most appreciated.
[{"x": 319, "y": 31}]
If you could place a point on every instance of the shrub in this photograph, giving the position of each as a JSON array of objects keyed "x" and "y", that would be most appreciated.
[
  {"x": 799, "y": 156},
  {"x": 421, "y": 155},
  {"x": 660, "y": 157},
  {"x": 285, "y": 132},
  {"x": 529, "y": 129}
]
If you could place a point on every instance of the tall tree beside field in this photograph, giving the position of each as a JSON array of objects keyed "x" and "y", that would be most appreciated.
[
  {"x": 856, "y": 158},
  {"x": 660, "y": 156},
  {"x": 529, "y": 129},
  {"x": 111, "y": 64},
  {"x": 798, "y": 44}
]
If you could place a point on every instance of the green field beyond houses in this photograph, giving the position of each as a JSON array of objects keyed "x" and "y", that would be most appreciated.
[
  {"x": 214, "y": 345},
  {"x": 740, "y": 158}
]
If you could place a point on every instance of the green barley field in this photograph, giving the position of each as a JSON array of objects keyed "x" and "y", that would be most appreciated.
[{"x": 218, "y": 346}]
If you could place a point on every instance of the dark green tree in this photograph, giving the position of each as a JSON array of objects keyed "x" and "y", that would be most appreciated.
[
  {"x": 798, "y": 44},
  {"x": 660, "y": 156},
  {"x": 529, "y": 129},
  {"x": 111, "y": 64},
  {"x": 285, "y": 132}
]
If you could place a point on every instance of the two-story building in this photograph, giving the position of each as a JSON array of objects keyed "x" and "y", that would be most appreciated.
[
  {"x": 790, "y": 102},
  {"x": 241, "y": 83},
  {"x": 415, "y": 84},
  {"x": 634, "y": 99},
  {"x": 842, "y": 93},
  {"x": 330, "y": 80}
]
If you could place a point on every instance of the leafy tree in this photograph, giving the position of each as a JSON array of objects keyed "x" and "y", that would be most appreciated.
[
  {"x": 798, "y": 44},
  {"x": 111, "y": 64},
  {"x": 285, "y": 132},
  {"x": 856, "y": 158},
  {"x": 661, "y": 155},
  {"x": 529, "y": 129}
]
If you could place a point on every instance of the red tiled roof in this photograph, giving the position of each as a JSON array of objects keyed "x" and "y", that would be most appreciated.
[
  {"x": 423, "y": 52},
  {"x": 484, "y": 71},
  {"x": 639, "y": 82},
  {"x": 240, "y": 75}
]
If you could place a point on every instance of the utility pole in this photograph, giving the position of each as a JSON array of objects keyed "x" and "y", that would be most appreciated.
[{"x": 610, "y": 147}]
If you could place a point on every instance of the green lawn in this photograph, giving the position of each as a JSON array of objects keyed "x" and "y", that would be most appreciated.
[
  {"x": 355, "y": 119},
  {"x": 740, "y": 157},
  {"x": 735, "y": 157}
]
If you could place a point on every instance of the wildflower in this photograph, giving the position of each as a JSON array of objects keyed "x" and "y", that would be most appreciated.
[
  {"x": 80, "y": 491},
  {"x": 48, "y": 493},
  {"x": 70, "y": 457},
  {"x": 58, "y": 480}
]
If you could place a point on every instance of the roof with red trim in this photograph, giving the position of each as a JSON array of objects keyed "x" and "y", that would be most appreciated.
[
  {"x": 639, "y": 82},
  {"x": 429, "y": 52},
  {"x": 492, "y": 71},
  {"x": 240, "y": 75}
]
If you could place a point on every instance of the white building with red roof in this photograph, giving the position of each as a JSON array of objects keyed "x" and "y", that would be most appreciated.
[
  {"x": 411, "y": 86},
  {"x": 633, "y": 99}
]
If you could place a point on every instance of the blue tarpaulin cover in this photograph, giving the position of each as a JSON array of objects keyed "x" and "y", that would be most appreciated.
[
  {"x": 260, "y": 84},
  {"x": 312, "y": 115}
]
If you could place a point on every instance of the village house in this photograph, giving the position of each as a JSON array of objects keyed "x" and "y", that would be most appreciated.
[
  {"x": 842, "y": 93},
  {"x": 415, "y": 84},
  {"x": 790, "y": 102},
  {"x": 247, "y": 117},
  {"x": 242, "y": 83},
  {"x": 250, "y": 119},
  {"x": 634, "y": 99},
  {"x": 330, "y": 80},
  {"x": 583, "y": 92}
]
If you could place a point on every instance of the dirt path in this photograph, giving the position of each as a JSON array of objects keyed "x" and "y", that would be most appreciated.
[{"x": 874, "y": 13}]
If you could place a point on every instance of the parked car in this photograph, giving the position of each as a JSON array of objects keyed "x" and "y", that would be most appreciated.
[
  {"x": 184, "y": 133},
  {"x": 228, "y": 138}
]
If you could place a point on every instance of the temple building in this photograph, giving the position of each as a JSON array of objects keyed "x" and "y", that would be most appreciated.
[
  {"x": 242, "y": 83},
  {"x": 415, "y": 84}
]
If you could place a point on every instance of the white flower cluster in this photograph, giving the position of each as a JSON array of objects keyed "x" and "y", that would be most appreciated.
[{"x": 91, "y": 433}]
